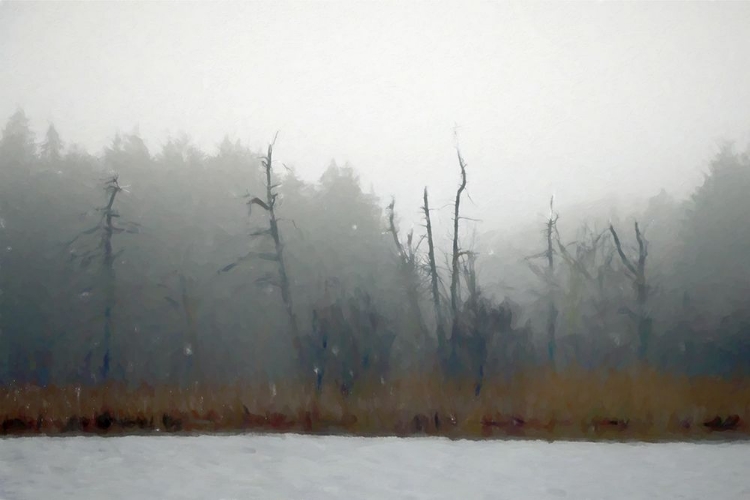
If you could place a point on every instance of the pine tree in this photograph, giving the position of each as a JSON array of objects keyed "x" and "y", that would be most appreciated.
[
  {"x": 17, "y": 145},
  {"x": 51, "y": 150}
]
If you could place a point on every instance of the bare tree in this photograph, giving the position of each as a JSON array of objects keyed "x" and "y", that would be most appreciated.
[
  {"x": 585, "y": 262},
  {"x": 269, "y": 205},
  {"x": 107, "y": 229},
  {"x": 434, "y": 278},
  {"x": 456, "y": 255},
  {"x": 548, "y": 277},
  {"x": 552, "y": 311},
  {"x": 410, "y": 266},
  {"x": 112, "y": 188},
  {"x": 449, "y": 354},
  {"x": 469, "y": 331},
  {"x": 637, "y": 273},
  {"x": 585, "y": 254},
  {"x": 271, "y": 197}
]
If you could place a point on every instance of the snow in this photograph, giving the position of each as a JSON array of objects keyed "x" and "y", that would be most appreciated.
[{"x": 307, "y": 467}]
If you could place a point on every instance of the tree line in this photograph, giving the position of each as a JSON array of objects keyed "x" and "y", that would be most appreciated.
[{"x": 182, "y": 266}]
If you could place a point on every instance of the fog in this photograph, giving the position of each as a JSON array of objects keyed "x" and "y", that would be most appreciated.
[
  {"x": 580, "y": 99},
  {"x": 621, "y": 111}
]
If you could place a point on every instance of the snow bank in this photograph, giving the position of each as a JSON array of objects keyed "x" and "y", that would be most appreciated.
[{"x": 308, "y": 467}]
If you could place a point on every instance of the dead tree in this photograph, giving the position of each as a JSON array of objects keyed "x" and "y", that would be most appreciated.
[
  {"x": 478, "y": 325},
  {"x": 584, "y": 263},
  {"x": 450, "y": 356},
  {"x": 271, "y": 197},
  {"x": 468, "y": 340},
  {"x": 584, "y": 253},
  {"x": 269, "y": 205},
  {"x": 548, "y": 277},
  {"x": 112, "y": 187},
  {"x": 470, "y": 277},
  {"x": 637, "y": 273},
  {"x": 552, "y": 311},
  {"x": 434, "y": 279},
  {"x": 410, "y": 267},
  {"x": 107, "y": 228},
  {"x": 456, "y": 255}
]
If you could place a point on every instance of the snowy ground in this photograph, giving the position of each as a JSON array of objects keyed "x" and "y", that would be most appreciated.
[{"x": 305, "y": 467}]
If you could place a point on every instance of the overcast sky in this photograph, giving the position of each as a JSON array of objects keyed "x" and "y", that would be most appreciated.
[{"x": 580, "y": 99}]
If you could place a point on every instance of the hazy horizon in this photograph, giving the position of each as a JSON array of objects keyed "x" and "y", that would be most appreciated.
[{"x": 583, "y": 100}]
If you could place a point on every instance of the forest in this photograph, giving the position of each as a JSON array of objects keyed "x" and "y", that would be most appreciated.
[{"x": 186, "y": 268}]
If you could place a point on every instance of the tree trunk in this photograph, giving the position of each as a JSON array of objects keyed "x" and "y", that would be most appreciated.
[
  {"x": 552, "y": 314},
  {"x": 286, "y": 295},
  {"x": 434, "y": 276},
  {"x": 109, "y": 278},
  {"x": 455, "y": 256}
]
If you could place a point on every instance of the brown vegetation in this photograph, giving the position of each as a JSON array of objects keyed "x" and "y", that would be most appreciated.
[{"x": 642, "y": 404}]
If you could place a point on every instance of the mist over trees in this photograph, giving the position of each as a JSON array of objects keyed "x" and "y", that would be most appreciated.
[{"x": 180, "y": 265}]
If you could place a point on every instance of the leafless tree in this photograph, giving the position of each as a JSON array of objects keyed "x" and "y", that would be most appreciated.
[
  {"x": 107, "y": 228},
  {"x": 434, "y": 278},
  {"x": 552, "y": 311},
  {"x": 269, "y": 205},
  {"x": 548, "y": 277},
  {"x": 456, "y": 254},
  {"x": 409, "y": 264},
  {"x": 637, "y": 273},
  {"x": 112, "y": 187}
]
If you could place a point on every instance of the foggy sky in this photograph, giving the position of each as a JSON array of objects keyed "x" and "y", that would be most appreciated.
[{"x": 581, "y": 100}]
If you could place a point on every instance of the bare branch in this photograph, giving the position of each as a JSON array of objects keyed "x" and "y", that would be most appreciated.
[
  {"x": 642, "y": 249},
  {"x": 394, "y": 231},
  {"x": 261, "y": 232},
  {"x": 626, "y": 262},
  {"x": 536, "y": 256},
  {"x": 572, "y": 262},
  {"x": 284, "y": 219},
  {"x": 419, "y": 243}
]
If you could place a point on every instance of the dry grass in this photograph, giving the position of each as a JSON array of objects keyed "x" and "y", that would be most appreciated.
[{"x": 638, "y": 404}]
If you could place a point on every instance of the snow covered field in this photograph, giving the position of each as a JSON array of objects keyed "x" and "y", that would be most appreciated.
[{"x": 306, "y": 467}]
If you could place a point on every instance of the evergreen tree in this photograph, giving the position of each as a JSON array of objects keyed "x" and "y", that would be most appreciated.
[
  {"x": 51, "y": 150},
  {"x": 714, "y": 263},
  {"x": 17, "y": 145}
]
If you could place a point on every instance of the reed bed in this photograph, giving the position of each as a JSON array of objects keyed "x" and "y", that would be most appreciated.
[{"x": 639, "y": 404}]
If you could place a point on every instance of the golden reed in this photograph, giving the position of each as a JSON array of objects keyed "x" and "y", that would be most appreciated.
[{"x": 639, "y": 404}]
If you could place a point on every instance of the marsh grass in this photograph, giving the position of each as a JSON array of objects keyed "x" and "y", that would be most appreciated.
[{"x": 636, "y": 404}]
